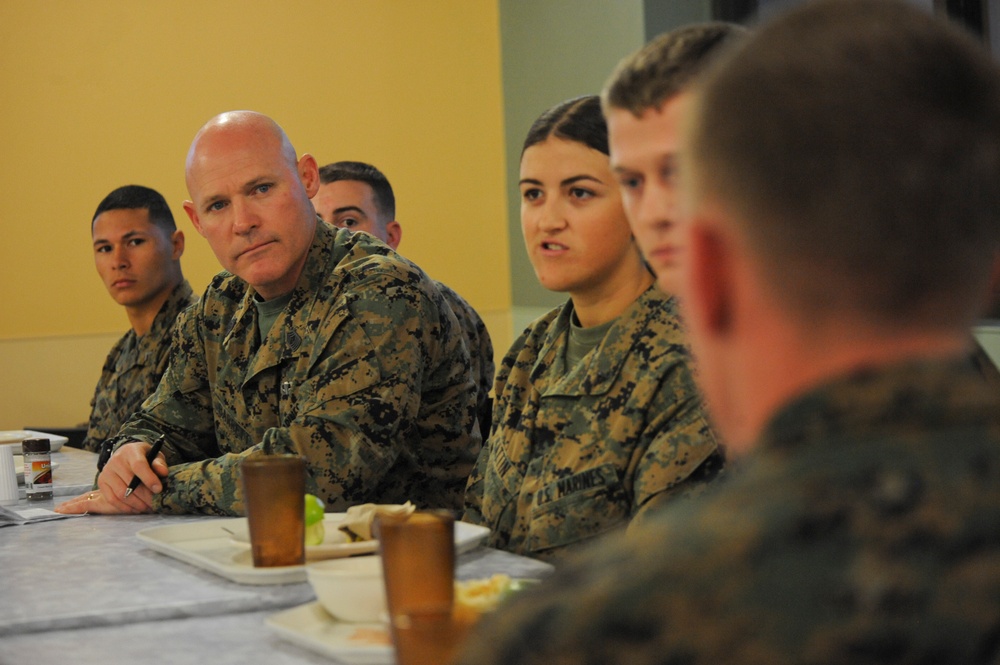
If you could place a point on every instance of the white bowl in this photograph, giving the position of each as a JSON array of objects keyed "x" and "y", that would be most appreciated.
[{"x": 350, "y": 589}]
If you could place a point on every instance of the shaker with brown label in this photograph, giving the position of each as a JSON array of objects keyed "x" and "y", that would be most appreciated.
[{"x": 37, "y": 469}]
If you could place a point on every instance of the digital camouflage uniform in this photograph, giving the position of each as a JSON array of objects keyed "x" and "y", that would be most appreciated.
[
  {"x": 865, "y": 528},
  {"x": 132, "y": 369},
  {"x": 477, "y": 339},
  {"x": 364, "y": 373},
  {"x": 577, "y": 451}
]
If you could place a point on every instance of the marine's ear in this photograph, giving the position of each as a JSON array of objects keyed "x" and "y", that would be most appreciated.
[
  {"x": 177, "y": 244},
  {"x": 309, "y": 174},
  {"x": 192, "y": 214},
  {"x": 393, "y": 234},
  {"x": 709, "y": 291}
]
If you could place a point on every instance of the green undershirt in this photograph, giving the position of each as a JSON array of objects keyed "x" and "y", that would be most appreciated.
[
  {"x": 581, "y": 340},
  {"x": 268, "y": 311}
]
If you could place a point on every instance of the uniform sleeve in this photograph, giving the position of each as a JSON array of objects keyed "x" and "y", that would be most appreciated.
[
  {"x": 613, "y": 602},
  {"x": 361, "y": 402},
  {"x": 683, "y": 453},
  {"x": 562, "y": 619},
  {"x": 475, "y": 488},
  {"x": 102, "y": 424},
  {"x": 153, "y": 354},
  {"x": 181, "y": 406}
]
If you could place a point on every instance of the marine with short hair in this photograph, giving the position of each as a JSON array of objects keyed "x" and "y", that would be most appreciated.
[
  {"x": 137, "y": 251},
  {"x": 358, "y": 197}
]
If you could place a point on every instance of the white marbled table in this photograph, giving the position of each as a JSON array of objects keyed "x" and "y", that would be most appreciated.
[{"x": 86, "y": 590}]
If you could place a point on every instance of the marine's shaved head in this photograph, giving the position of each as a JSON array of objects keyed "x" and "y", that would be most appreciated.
[
  {"x": 244, "y": 125},
  {"x": 250, "y": 199}
]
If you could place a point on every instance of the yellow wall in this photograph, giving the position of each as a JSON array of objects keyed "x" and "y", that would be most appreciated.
[{"x": 108, "y": 92}]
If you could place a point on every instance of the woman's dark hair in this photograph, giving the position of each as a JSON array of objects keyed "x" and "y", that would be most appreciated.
[{"x": 579, "y": 119}]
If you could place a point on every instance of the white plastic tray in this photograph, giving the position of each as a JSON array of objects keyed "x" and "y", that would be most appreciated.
[
  {"x": 209, "y": 544},
  {"x": 310, "y": 627},
  {"x": 16, "y": 436}
]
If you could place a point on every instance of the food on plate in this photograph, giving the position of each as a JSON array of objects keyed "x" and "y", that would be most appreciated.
[
  {"x": 475, "y": 597},
  {"x": 358, "y": 520},
  {"x": 371, "y": 636},
  {"x": 315, "y": 533}
]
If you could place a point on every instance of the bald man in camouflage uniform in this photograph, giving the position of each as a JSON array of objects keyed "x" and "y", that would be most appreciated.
[
  {"x": 862, "y": 525},
  {"x": 333, "y": 348}
]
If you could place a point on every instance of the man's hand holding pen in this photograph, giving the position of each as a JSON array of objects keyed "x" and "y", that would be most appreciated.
[{"x": 130, "y": 462}]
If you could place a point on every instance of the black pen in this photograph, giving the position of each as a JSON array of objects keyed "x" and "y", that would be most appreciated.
[{"x": 150, "y": 456}]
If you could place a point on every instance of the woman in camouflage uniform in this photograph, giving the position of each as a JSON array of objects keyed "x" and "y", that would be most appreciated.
[{"x": 596, "y": 416}]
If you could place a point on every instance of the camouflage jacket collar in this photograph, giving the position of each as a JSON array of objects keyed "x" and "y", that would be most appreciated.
[
  {"x": 148, "y": 346},
  {"x": 291, "y": 332},
  {"x": 598, "y": 370},
  {"x": 911, "y": 397}
]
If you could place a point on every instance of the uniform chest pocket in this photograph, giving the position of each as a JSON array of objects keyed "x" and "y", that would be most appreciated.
[
  {"x": 348, "y": 364},
  {"x": 577, "y": 507},
  {"x": 501, "y": 482}
]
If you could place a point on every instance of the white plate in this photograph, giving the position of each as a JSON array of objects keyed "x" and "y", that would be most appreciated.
[
  {"x": 18, "y": 435},
  {"x": 311, "y": 627},
  {"x": 209, "y": 544},
  {"x": 335, "y": 545},
  {"x": 19, "y": 468}
]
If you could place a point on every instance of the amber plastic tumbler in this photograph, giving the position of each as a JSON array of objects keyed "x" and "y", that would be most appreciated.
[
  {"x": 418, "y": 564},
  {"x": 274, "y": 488},
  {"x": 428, "y": 638}
]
